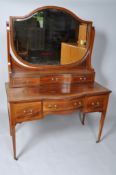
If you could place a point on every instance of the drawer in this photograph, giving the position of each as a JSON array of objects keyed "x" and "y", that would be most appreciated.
[
  {"x": 62, "y": 105},
  {"x": 27, "y": 111},
  {"x": 94, "y": 103},
  {"x": 19, "y": 82},
  {"x": 66, "y": 78},
  {"x": 82, "y": 78}
]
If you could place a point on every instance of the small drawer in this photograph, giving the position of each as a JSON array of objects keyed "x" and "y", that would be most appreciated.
[
  {"x": 20, "y": 82},
  {"x": 27, "y": 111},
  {"x": 82, "y": 78},
  {"x": 94, "y": 103},
  {"x": 64, "y": 105},
  {"x": 66, "y": 79},
  {"x": 49, "y": 79}
]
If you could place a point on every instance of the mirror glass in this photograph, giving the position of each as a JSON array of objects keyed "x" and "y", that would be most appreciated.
[{"x": 50, "y": 37}]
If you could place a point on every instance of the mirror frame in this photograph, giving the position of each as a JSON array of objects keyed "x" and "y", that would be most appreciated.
[{"x": 18, "y": 60}]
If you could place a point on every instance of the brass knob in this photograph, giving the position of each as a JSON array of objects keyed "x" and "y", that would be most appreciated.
[
  {"x": 93, "y": 103},
  {"x": 55, "y": 106},
  {"x": 31, "y": 111},
  {"x": 75, "y": 103},
  {"x": 52, "y": 79},
  {"x": 98, "y": 103},
  {"x": 79, "y": 103},
  {"x": 56, "y": 79}
]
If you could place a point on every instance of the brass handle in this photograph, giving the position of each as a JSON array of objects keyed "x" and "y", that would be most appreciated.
[
  {"x": 78, "y": 103},
  {"x": 97, "y": 104},
  {"x": 28, "y": 112},
  {"x": 54, "y": 79},
  {"x": 83, "y": 78},
  {"x": 75, "y": 104},
  {"x": 49, "y": 106},
  {"x": 53, "y": 106}
]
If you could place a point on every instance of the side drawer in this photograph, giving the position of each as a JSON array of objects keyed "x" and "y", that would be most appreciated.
[
  {"x": 94, "y": 103},
  {"x": 27, "y": 111},
  {"x": 82, "y": 78}
]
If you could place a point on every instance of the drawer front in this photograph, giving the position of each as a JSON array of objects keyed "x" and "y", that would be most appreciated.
[
  {"x": 66, "y": 78},
  {"x": 62, "y": 105},
  {"x": 55, "y": 79},
  {"x": 51, "y": 79},
  {"x": 82, "y": 79},
  {"x": 94, "y": 103},
  {"x": 27, "y": 111},
  {"x": 20, "y": 82}
]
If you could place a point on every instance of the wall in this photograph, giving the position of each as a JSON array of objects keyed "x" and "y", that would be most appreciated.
[{"x": 102, "y": 13}]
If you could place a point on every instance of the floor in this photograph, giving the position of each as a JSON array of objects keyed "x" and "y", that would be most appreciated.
[{"x": 59, "y": 145}]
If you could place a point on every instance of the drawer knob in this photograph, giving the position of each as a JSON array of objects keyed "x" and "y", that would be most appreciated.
[
  {"x": 56, "y": 79},
  {"x": 30, "y": 110},
  {"x": 93, "y": 103},
  {"x": 53, "y": 79},
  {"x": 55, "y": 106},
  {"x": 75, "y": 103},
  {"x": 80, "y": 103}
]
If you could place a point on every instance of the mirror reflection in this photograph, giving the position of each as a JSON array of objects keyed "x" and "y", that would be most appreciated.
[{"x": 50, "y": 37}]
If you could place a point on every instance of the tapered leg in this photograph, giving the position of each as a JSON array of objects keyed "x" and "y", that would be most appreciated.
[
  {"x": 83, "y": 119},
  {"x": 14, "y": 141},
  {"x": 101, "y": 124},
  {"x": 10, "y": 126}
]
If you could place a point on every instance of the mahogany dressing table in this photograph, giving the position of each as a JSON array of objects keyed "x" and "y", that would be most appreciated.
[{"x": 49, "y": 64}]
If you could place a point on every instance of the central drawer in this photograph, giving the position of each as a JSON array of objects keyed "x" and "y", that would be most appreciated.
[
  {"x": 27, "y": 111},
  {"x": 66, "y": 78},
  {"x": 49, "y": 79},
  {"x": 62, "y": 105}
]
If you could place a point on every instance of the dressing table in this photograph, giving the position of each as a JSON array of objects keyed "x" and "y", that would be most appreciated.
[{"x": 49, "y": 65}]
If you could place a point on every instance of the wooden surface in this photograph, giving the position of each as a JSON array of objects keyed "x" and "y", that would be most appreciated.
[{"x": 60, "y": 91}]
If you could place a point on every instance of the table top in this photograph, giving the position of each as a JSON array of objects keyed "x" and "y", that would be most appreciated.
[{"x": 59, "y": 91}]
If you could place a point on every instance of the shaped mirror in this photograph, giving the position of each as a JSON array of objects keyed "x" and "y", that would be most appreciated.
[{"x": 51, "y": 37}]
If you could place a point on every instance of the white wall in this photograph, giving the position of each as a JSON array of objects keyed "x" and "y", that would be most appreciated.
[{"x": 101, "y": 12}]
